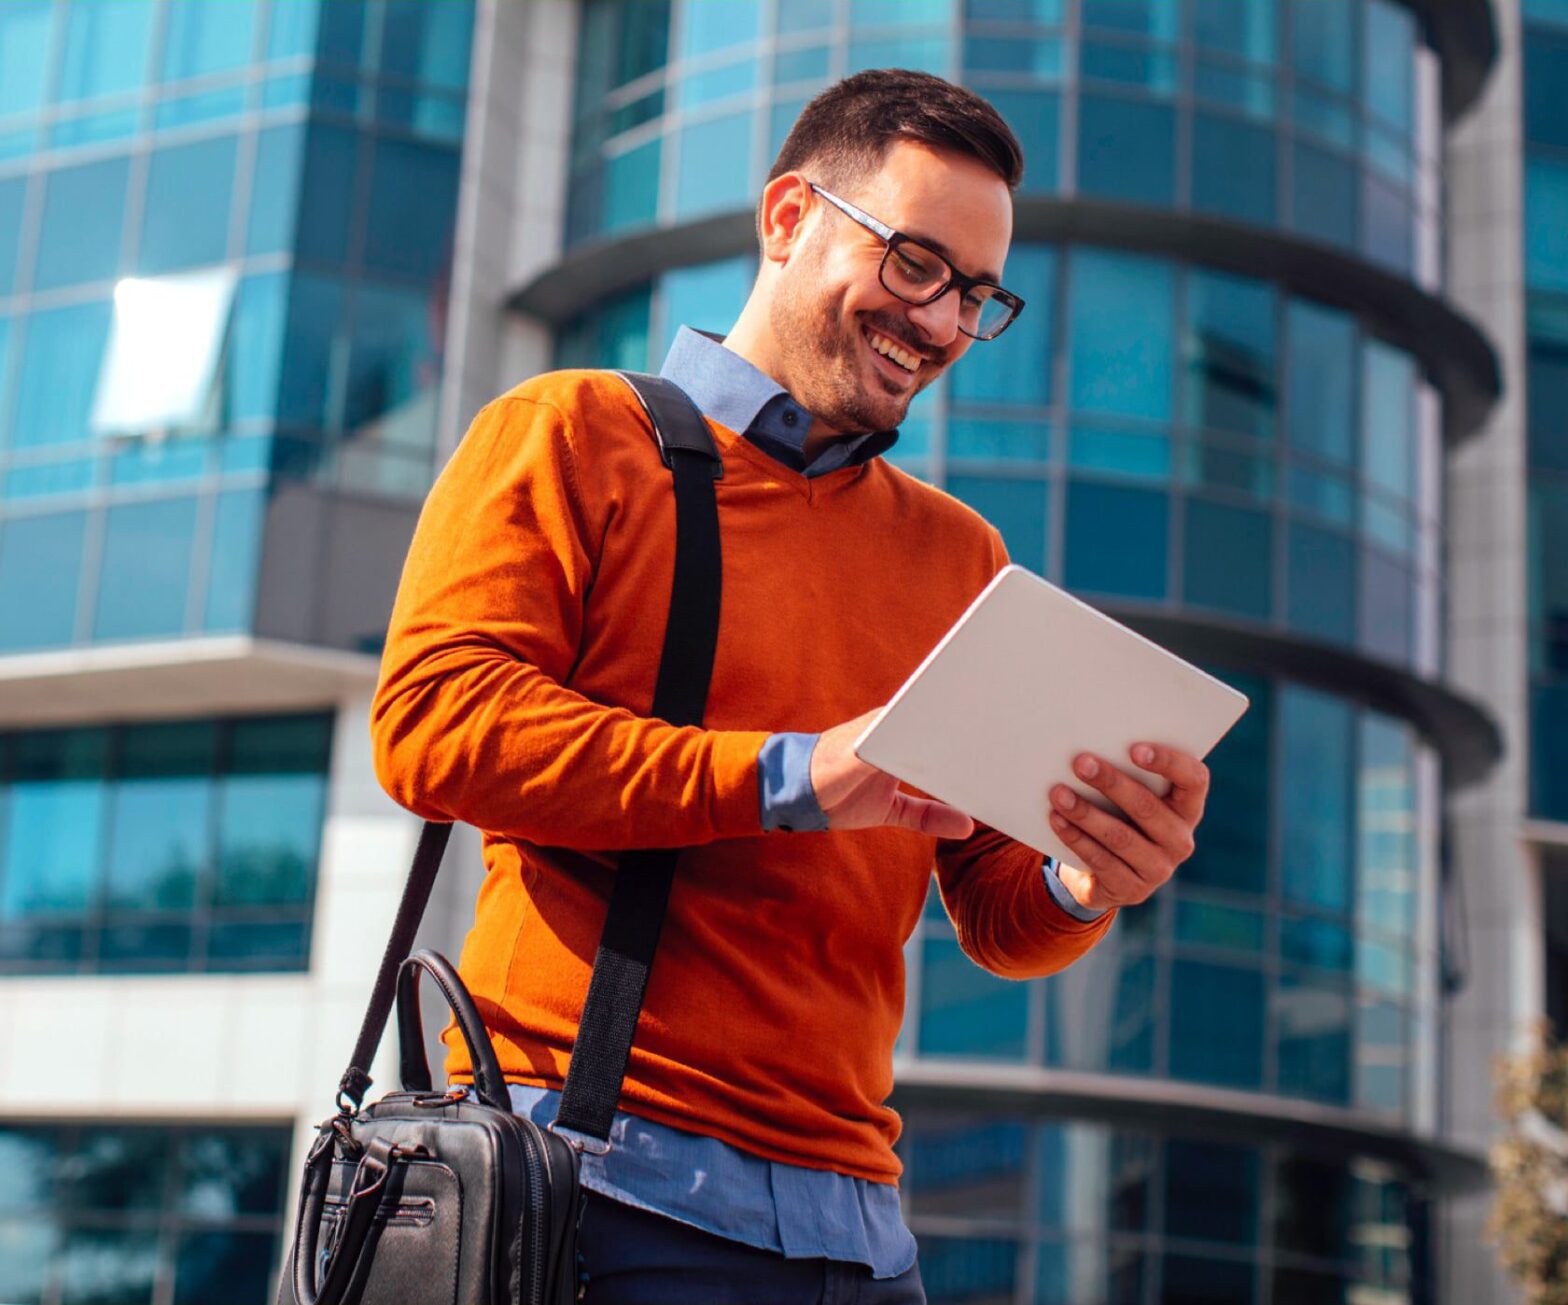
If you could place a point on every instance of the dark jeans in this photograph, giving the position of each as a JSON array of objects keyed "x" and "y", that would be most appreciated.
[{"x": 636, "y": 1258}]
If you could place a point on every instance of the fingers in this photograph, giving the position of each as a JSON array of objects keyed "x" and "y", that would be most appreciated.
[
  {"x": 1189, "y": 777},
  {"x": 929, "y": 817},
  {"x": 1121, "y": 840},
  {"x": 1101, "y": 888},
  {"x": 1166, "y": 834},
  {"x": 1118, "y": 881}
]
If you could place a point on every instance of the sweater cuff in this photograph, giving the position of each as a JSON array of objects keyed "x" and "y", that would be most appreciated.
[
  {"x": 788, "y": 802},
  {"x": 1065, "y": 899}
]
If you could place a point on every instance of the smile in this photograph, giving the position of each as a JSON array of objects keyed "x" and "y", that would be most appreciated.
[{"x": 891, "y": 350}]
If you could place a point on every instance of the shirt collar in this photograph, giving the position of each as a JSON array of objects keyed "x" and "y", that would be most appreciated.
[{"x": 732, "y": 392}]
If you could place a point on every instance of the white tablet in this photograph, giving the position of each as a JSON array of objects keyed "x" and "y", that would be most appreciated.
[{"x": 1025, "y": 680}]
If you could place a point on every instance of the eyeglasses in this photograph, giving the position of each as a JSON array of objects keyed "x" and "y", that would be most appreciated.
[{"x": 919, "y": 275}]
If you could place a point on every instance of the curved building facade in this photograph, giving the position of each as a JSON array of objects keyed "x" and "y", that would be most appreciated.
[{"x": 1225, "y": 418}]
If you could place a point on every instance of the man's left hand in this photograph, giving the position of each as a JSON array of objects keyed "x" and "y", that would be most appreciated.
[{"x": 1117, "y": 863}]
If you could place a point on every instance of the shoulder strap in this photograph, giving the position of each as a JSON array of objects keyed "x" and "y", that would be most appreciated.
[
  {"x": 643, "y": 878},
  {"x": 642, "y": 881}
]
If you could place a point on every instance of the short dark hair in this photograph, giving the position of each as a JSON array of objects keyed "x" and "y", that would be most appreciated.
[{"x": 847, "y": 129}]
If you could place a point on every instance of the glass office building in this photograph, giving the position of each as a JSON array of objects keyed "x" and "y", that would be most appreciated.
[{"x": 1262, "y": 407}]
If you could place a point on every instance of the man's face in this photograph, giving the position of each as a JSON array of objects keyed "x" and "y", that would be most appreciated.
[{"x": 830, "y": 305}]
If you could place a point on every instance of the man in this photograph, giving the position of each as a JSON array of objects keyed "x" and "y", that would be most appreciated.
[{"x": 753, "y": 1158}]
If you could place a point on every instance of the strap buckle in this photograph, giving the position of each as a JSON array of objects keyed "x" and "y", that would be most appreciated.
[{"x": 582, "y": 1143}]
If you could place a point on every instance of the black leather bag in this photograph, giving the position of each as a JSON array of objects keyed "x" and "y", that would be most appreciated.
[{"x": 448, "y": 1198}]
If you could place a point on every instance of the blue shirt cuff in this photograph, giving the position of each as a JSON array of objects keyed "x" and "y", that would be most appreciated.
[
  {"x": 1063, "y": 898},
  {"x": 788, "y": 802}
]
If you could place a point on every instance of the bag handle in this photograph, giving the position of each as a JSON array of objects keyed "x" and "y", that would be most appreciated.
[
  {"x": 642, "y": 885},
  {"x": 489, "y": 1084}
]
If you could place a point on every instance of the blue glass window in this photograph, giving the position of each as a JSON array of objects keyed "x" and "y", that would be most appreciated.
[
  {"x": 1042, "y": 60},
  {"x": 1228, "y": 559},
  {"x": 718, "y": 24},
  {"x": 804, "y": 15},
  {"x": 1545, "y": 74},
  {"x": 106, "y": 48},
  {"x": 60, "y": 361},
  {"x": 1227, "y": 1052},
  {"x": 1317, "y": 826},
  {"x": 186, "y": 220},
  {"x": 1549, "y": 751},
  {"x": 1387, "y": 871},
  {"x": 1212, "y": 1191},
  {"x": 255, "y": 347},
  {"x": 274, "y": 193},
  {"x": 428, "y": 43},
  {"x": 413, "y": 206},
  {"x": 329, "y": 181},
  {"x": 1323, "y": 196},
  {"x": 1313, "y": 1018},
  {"x": 1230, "y": 354},
  {"x": 204, "y": 39},
  {"x": 291, "y": 27},
  {"x": 631, "y": 187},
  {"x": 1233, "y": 171},
  {"x": 702, "y": 188},
  {"x": 810, "y": 64},
  {"x": 145, "y": 574},
  {"x": 392, "y": 368},
  {"x": 24, "y": 54},
  {"x": 271, "y": 803},
  {"x": 1546, "y": 223},
  {"x": 1388, "y": 224},
  {"x": 1017, "y": 508},
  {"x": 721, "y": 83},
  {"x": 236, "y": 553},
  {"x": 1047, "y": 13},
  {"x": 1116, "y": 540},
  {"x": 1233, "y": 851},
  {"x": 1033, "y": 116},
  {"x": 40, "y": 570},
  {"x": 80, "y": 237},
  {"x": 1388, "y": 62},
  {"x": 705, "y": 298},
  {"x": 1121, "y": 345},
  {"x": 1547, "y": 387},
  {"x": 1128, "y": 65},
  {"x": 1385, "y": 605},
  {"x": 1154, "y": 18},
  {"x": 1244, "y": 28},
  {"x": 1321, "y": 583},
  {"x": 1548, "y": 574},
  {"x": 615, "y": 334},
  {"x": 1323, "y": 41},
  {"x": 1138, "y": 455},
  {"x": 1388, "y": 419},
  {"x": 1015, "y": 367},
  {"x": 161, "y": 816},
  {"x": 1322, "y": 370},
  {"x": 1382, "y": 1059},
  {"x": 965, "y": 1011},
  {"x": 12, "y": 195},
  {"x": 988, "y": 439},
  {"x": 1126, "y": 150},
  {"x": 314, "y": 319}
]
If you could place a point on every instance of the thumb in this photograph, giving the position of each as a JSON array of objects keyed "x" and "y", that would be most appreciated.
[{"x": 929, "y": 817}]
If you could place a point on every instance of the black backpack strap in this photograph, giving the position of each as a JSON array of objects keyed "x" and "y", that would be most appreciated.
[
  {"x": 642, "y": 883},
  {"x": 643, "y": 878}
]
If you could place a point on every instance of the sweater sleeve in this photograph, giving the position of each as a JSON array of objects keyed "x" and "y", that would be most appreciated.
[
  {"x": 1002, "y": 911},
  {"x": 472, "y": 719}
]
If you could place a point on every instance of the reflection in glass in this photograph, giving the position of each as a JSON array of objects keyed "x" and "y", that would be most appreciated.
[
  {"x": 236, "y": 550},
  {"x": 973, "y": 1270},
  {"x": 205, "y": 39},
  {"x": 1233, "y": 169},
  {"x": 1322, "y": 41},
  {"x": 24, "y": 53},
  {"x": 1100, "y": 1011},
  {"x": 218, "y": 1268},
  {"x": 412, "y": 209},
  {"x": 971, "y": 1169},
  {"x": 1244, "y": 28},
  {"x": 1015, "y": 367},
  {"x": 54, "y": 825},
  {"x": 120, "y": 1169},
  {"x": 393, "y": 369},
  {"x": 271, "y": 826},
  {"x": 706, "y": 298},
  {"x": 1228, "y": 561},
  {"x": 109, "y": 1266},
  {"x": 1322, "y": 371},
  {"x": 1205, "y": 1049},
  {"x": 1229, "y": 351},
  {"x": 161, "y": 816},
  {"x": 1212, "y": 1191},
  {"x": 59, "y": 373},
  {"x": 1152, "y": 18},
  {"x": 1388, "y": 62},
  {"x": 1312, "y": 1016},
  {"x": 632, "y": 187},
  {"x": 717, "y": 24},
  {"x": 226, "y": 1173},
  {"x": 1324, "y": 192},
  {"x": 1233, "y": 852},
  {"x": 427, "y": 43}
]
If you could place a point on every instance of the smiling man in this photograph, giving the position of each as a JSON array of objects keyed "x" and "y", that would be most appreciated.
[{"x": 753, "y": 1156}]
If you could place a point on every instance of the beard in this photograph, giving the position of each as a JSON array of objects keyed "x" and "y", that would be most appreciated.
[{"x": 822, "y": 355}]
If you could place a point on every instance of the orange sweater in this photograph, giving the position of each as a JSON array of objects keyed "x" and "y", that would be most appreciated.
[{"x": 518, "y": 673}]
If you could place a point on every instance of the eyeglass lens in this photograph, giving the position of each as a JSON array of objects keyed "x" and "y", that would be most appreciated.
[{"x": 918, "y": 275}]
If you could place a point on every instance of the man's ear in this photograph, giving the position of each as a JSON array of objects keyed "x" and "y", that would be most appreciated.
[{"x": 786, "y": 201}]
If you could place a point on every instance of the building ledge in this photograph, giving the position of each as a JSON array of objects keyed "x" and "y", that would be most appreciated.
[
  {"x": 221, "y": 675},
  {"x": 1164, "y": 1106}
]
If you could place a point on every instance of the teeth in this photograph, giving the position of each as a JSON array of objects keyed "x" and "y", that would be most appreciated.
[{"x": 888, "y": 349}]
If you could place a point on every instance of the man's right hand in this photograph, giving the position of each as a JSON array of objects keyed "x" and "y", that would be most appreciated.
[{"x": 855, "y": 795}]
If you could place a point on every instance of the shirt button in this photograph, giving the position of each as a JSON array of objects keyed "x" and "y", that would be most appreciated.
[{"x": 789, "y": 416}]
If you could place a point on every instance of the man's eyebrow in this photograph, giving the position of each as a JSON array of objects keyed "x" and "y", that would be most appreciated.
[{"x": 934, "y": 244}]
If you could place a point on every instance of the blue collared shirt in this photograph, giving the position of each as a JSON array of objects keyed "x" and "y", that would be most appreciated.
[{"x": 798, "y": 1212}]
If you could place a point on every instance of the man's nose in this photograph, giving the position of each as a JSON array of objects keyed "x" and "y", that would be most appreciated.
[{"x": 938, "y": 320}]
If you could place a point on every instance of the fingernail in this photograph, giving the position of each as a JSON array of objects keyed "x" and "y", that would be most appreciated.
[
  {"x": 1143, "y": 754},
  {"x": 1066, "y": 799},
  {"x": 1088, "y": 767}
]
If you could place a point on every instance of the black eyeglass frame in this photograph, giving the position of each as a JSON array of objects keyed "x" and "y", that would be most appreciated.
[{"x": 893, "y": 239}]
